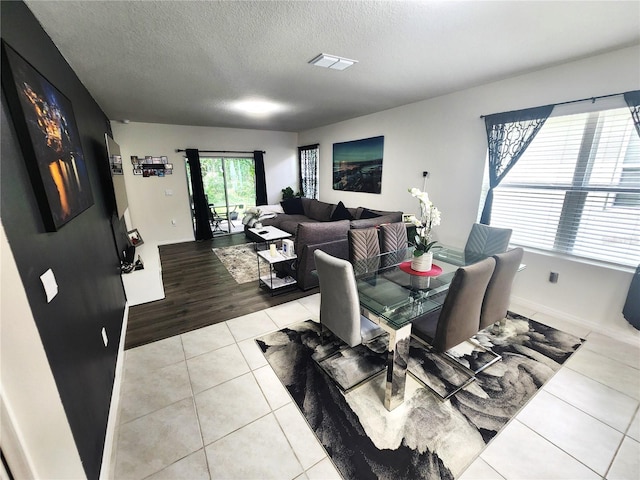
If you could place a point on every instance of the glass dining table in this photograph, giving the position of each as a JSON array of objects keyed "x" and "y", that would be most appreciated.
[{"x": 393, "y": 295}]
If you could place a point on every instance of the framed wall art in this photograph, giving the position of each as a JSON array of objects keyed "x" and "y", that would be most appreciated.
[
  {"x": 135, "y": 239},
  {"x": 48, "y": 135},
  {"x": 357, "y": 165}
]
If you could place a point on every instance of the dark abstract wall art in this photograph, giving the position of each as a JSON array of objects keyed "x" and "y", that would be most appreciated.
[
  {"x": 48, "y": 135},
  {"x": 357, "y": 165}
]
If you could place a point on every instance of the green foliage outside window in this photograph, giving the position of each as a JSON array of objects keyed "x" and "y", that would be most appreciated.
[{"x": 240, "y": 176}]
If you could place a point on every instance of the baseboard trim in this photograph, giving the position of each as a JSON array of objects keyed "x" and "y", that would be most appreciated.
[
  {"x": 109, "y": 451},
  {"x": 614, "y": 333}
]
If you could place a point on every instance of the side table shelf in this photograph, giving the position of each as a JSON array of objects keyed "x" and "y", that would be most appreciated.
[{"x": 270, "y": 280}]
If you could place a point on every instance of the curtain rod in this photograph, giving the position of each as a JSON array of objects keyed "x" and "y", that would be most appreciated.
[
  {"x": 222, "y": 151},
  {"x": 593, "y": 100}
]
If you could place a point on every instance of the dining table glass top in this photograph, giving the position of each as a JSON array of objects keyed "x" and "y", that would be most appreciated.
[{"x": 396, "y": 295}]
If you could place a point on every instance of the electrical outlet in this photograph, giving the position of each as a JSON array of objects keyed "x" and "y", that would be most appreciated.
[
  {"x": 553, "y": 277},
  {"x": 425, "y": 174}
]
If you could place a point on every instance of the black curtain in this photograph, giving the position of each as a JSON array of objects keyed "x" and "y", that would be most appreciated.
[
  {"x": 508, "y": 136},
  {"x": 200, "y": 204},
  {"x": 308, "y": 168},
  {"x": 631, "y": 310},
  {"x": 633, "y": 101},
  {"x": 261, "y": 182}
]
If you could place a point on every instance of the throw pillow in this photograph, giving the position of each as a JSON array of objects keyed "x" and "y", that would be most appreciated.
[
  {"x": 293, "y": 206},
  {"x": 341, "y": 213},
  {"x": 368, "y": 214}
]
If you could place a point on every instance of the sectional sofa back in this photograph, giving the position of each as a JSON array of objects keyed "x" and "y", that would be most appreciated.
[{"x": 323, "y": 212}]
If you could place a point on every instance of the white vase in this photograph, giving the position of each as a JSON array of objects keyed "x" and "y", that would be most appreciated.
[{"x": 423, "y": 263}]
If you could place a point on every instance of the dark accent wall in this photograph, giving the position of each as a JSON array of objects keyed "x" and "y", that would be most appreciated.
[{"x": 82, "y": 254}]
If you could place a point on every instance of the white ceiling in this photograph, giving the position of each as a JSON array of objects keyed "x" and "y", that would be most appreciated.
[{"x": 186, "y": 62}]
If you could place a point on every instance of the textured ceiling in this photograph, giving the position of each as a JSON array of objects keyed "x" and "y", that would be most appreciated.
[{"x": 184, "y": 62}]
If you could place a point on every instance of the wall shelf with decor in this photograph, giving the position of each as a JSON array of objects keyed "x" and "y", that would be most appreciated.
[{"x": 149, "y": 166}]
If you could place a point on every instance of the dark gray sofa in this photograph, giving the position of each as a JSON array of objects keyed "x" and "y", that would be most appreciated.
[{"x": 316, "y": 226}]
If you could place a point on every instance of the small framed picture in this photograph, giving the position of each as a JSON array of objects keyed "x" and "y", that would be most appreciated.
[
  {"x": 406, "y": 217},
  {"x": 135, "y": 238},
  {"x": 164, "y": 159},
  {"x": 134, "y": 160}
]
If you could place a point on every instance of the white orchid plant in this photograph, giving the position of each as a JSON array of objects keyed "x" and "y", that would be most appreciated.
[{"x": 429, "y": 218}]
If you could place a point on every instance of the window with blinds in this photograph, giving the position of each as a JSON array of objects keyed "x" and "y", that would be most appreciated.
[{"x": 576, "y": 189}]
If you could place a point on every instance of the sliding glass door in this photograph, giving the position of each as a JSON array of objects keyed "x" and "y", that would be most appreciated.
[{"x": 230, "y": 187}]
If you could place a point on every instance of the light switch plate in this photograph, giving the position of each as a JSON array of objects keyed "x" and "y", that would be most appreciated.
[{"x": 50, "y": 285}]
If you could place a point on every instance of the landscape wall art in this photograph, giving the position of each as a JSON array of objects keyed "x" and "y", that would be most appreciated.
[
  {"x": 46, "y": 127},
  {"x": 357, "y": 165}
]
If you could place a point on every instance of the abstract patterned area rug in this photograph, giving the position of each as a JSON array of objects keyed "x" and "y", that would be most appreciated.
[
  {"x": 240, "y": 261},
  {"x": 424, "y": 438}
]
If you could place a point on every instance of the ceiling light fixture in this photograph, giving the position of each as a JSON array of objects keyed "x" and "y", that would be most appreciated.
[
  {"x": 332, "y": 61},
  {"x": 257, "y": 107}
]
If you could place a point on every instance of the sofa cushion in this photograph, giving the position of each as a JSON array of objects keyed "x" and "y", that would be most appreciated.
[
  {"x": 390, "y": 217},
  {"x": 366, "y": 213},
  {"x": 293, "y": 206},
  {"x": 319, "y": 232},
  {"x": 320, "y": 211},
  {"x": 290, "y": 223},
  {"x": 341, "y": 213}
]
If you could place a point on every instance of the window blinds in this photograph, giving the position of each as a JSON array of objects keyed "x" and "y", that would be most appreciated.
[{"x": 576, "y": 189}]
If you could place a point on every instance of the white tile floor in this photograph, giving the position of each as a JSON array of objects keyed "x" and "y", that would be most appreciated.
[{"x": 206, "y": 404}]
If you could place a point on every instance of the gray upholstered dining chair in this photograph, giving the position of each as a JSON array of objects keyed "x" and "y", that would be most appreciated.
[
  {"x": 365, "y": 356},
  {"x": 393, "y": 237},
  {"x": 457, "y": 322},
  {"x": 484, "y": 241},
  {"x": 339, "y": 303},
  {"x": 364, "y": 249},
  {"x": 459, "y": 319},
  {"x": 393, "y": 242},
  {"x": 498, "y": 294}
]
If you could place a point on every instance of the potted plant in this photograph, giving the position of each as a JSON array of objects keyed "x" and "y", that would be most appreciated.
[
  {"x": 429, "y": 217},
  {"x": 287, "y": 193}
]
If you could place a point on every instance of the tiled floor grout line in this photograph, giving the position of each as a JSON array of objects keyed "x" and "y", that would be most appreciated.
[
  {"x": 557, "y": 446},
  {"x": 195, "y": 407},
  {"x": 586, "y": 413},
  {"x": 287, "y": 438},
  {"x": 246, "y": 357},
  {"x": 601, "y": 383}
]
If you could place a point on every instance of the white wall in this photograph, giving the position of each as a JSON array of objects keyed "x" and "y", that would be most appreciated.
[
  {"x": 152, "y": 211},
  {"x": 35, "y": 430},
  {"x": 446, "y": 137}
]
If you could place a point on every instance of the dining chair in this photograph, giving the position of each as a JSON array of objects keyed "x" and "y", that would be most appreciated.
[
  {"x": 484, "y": 241},
  {"x": 459, "y": 319},
  {"x": 339, "y": 303},
  {"x": 393, "y": 237},
  {"x": 393, "y": 242},
  {"x": 443, "y": 330},
  {"x": 364, "y": 249},
  {"x": 498, "y": 294},
  {"x": 340, "y": 314}
]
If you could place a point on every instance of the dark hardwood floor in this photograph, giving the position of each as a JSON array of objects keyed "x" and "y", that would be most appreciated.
[{"x": 198, "y": 292}]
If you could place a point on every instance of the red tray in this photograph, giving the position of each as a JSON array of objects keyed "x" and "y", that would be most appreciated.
[{"x": 434, "y": 272}]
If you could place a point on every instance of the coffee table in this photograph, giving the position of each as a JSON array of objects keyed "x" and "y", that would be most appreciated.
[{"x": 268, "y": 234}]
